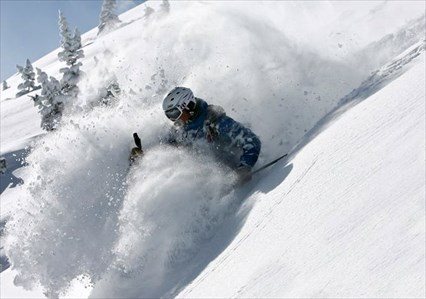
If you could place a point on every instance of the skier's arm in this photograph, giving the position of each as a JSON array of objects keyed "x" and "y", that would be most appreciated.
[
  {"x": 137, "y": 151},
  {"x": 243, "y": 138}
]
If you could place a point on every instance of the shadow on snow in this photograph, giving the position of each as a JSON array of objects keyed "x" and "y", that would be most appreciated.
[{"x": 183, "y": 275}]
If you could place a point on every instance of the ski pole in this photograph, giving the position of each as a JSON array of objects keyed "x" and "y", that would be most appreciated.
[
  {"x": 136, "y": 151},
  {"x": 269, "y": 164},
  {"x": 137, "y": 140}
]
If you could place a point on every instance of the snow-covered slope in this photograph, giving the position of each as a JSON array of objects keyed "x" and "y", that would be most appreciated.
[{"x": 343, "y": 217}]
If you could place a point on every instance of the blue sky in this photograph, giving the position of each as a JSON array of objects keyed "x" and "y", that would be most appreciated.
[{"x": 29, "y": 29}]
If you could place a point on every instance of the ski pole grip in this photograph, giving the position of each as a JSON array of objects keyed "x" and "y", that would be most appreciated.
[{"x": 137, "y": 140}]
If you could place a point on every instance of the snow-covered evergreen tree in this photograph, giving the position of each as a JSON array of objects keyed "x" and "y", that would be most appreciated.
[
  {"x": 42, "y": 78},
  {"x": 65, "y": 32},
  {"x": 108, "y": 20},
  {"x": 28, "y": 75},
  {"x": 72, "y": 51},
  {"x": 165, "y": 6},
  {"x": 50, "y": 102},
  {"x": 4, "y": 85},
  {"x": 148, "y": 11}
]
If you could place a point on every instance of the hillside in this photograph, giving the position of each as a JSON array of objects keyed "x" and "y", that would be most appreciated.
[
  {"x": 344, "y": 218},
  {"x": 345, "y": 210}
]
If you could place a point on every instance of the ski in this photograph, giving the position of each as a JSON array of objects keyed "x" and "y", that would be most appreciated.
[{"x": 269, "y": 164}]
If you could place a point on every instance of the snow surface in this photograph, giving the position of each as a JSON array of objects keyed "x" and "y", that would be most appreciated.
[
  {"x": 343, "y": 216},
  {"x": 347, "y": 221}
]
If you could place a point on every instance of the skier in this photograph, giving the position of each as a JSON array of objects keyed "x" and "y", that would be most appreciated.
[{"x": 195, "y": 121}]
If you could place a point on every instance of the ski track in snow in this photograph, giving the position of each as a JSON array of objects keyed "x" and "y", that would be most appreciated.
[
  {"x": 351, "y": 228},
  {"x": 149, "y": 232}
]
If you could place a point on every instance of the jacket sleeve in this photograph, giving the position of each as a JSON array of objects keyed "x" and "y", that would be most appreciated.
[{"x": 240, "y": 137}]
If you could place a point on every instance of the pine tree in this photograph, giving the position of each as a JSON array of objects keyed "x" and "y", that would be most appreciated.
[
  {"x": 5, "y": 85},
  {"x": 27, "y": 74},
  {"x": 165, "y": 6},
  {"x": 108, "y": 20},
  {"x": 72, "y": 51},
  {"x": 64, "y": 32},
  {"x": 148, "y": 11},
  {"x": 50, "y": 102}
]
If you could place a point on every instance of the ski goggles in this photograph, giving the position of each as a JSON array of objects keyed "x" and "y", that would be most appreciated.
[{"x": 174, "y": 113}]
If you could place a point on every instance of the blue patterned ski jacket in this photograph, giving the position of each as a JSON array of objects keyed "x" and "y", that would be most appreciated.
[{"x": 233, "y": 143}]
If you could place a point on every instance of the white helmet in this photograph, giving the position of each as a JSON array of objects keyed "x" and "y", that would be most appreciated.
[{"x": 179, "y": 99}]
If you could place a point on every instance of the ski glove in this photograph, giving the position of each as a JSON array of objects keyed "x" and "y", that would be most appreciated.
[
  {"x": 135, "y": 154},
  {"x": 136, "y": 151}
]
